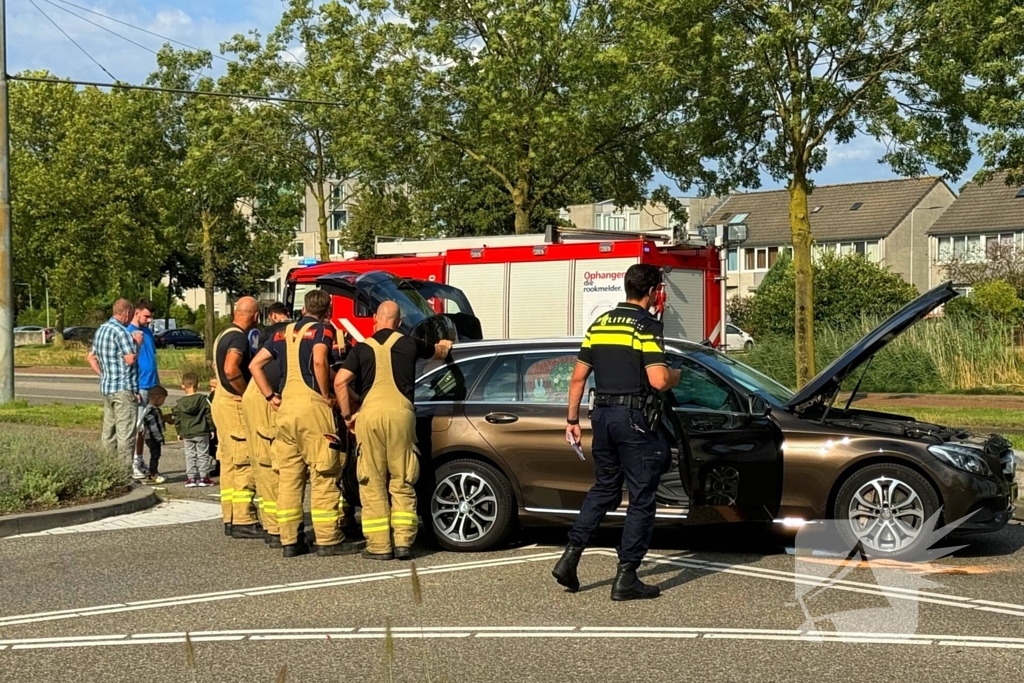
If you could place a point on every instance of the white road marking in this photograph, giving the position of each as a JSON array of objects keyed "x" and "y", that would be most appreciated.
[
  {"x": 517, "y": 632},
  {"x": 267, "y": 590}
]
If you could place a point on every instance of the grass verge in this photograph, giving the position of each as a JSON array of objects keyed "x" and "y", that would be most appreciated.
[
  {"x": 62, "y": 415},
  {"x": 168, "y": 361},
  {"x": 978, "y": 418},
  {"x": 42, "y": 469}
]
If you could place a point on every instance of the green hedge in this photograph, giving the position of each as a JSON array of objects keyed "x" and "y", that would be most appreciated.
[{"x": 44, "y": 468}]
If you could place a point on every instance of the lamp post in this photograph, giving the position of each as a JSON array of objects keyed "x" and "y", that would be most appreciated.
[{"x": 724, "y": 237}]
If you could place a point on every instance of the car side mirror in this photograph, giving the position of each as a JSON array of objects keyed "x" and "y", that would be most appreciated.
[{"x": 758, "y": 406}]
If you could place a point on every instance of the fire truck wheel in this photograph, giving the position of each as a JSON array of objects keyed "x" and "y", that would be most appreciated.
[{"x": 472, "y": 507}]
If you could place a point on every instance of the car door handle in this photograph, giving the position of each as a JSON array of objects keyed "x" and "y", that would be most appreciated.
[
  {"x": 500, "y": 418},
  {"x": 701, "y": 425}
]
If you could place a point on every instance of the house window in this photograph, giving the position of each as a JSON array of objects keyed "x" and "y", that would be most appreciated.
[
  {"x": 332, "y": 246},
  {"x": 634, "y": 221},
  {"x": 869, "y": 249},
  {"x": 296, "y": 250},
  {"x": 339, "y": 220},
  {"x": 761, "y": 258},
  {"x": 1020, "y": 193},
  {"x": 732, "y": 260},
  {"x": 611, "y": 221},
  {"x": 856, "y": 205},
  {"x": 968, "y": 247},
  {"x": 748, "y": 259},
  {"x": 338, "y": 194},
  {"x": 738, "y": 218}
]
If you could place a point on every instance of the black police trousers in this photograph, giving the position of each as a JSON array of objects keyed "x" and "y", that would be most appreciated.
[{"x": 623, "y": 449}]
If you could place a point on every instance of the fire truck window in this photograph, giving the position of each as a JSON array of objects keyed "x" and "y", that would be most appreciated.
[
  {"x": 500, "y": 382},
  {"x": 450, "y": 383},
  {"x": 546, "y": 378},
  {"x": 300, "y": 295}
]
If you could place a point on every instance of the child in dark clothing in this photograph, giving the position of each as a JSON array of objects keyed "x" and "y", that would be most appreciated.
[
  {"x": 195, "y": 427},
  {"x": 151, "y": 425}
]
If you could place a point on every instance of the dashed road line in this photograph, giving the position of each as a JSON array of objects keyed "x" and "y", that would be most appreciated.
[{"x": 517, "y": 632}]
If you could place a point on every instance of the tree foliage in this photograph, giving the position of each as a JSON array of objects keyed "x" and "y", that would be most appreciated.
[
  {"x": 1000, "y": 262},
  {"x": 995, "y": 299},
  {"x": 846, "y": 289}
]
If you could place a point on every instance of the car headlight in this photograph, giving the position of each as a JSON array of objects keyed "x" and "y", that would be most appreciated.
[{"x": 962, "y": 458}]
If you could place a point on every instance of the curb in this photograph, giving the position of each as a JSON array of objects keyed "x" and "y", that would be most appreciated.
[{"x": 139, "y": 498}]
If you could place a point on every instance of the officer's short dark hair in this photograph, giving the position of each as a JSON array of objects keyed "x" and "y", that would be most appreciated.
[
  {"x": 278, "y": 308},
  {"x": 640, "y": 279},
  {"x": 317, "y": 303}
]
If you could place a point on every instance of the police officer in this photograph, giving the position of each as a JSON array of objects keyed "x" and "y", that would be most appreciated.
[
  {"x": 384, "y": 367},
  {"x": 307, "y": 442},
  {"x": 231, "y": 367},
  {"x": 262, "y": 428},
  {"x": 625, "y": 351}
]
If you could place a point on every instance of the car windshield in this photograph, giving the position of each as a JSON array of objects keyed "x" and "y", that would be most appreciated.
[
  {"x": 380, "y": 287},
  {"x": 744, "y": 375}
]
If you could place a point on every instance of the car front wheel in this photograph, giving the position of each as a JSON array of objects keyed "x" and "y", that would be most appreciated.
[
  {"x": 748, "y": 346},
  {"x": 472, "y": 506},
  {"x": 883, "y": 511}
]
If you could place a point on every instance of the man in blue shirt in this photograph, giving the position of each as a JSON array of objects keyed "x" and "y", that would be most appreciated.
[
  {"x": 142, "y": 333},
  {"x": 113, "y": 357}
]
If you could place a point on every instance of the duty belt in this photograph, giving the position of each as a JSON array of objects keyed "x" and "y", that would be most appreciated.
[{"x": 629, "y": 400}]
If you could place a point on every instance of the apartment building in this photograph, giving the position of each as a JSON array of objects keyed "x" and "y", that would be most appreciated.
[
  {"x": 982, "y": 216},
  {"x": 653, "y": 217},
  {"x": 886, "y": 221}
]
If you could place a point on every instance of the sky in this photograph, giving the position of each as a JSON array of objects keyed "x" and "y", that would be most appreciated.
[{"x": 35, "y": 43}]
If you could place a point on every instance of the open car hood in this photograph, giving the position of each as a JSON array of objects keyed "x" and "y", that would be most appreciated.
[{"x": 826, "y": 382}]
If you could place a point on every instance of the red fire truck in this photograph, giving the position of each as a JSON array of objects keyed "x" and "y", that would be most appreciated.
[{"x": 549, "y": 289}]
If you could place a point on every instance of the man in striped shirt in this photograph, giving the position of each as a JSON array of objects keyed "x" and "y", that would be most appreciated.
[{"x": 113, "y": 357}]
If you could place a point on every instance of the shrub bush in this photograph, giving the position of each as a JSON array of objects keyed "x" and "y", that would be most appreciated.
[
  {"x": 42, "y": 468},
  {"x": 738, "y": 309},
  {"x": 998, "y": 300}
]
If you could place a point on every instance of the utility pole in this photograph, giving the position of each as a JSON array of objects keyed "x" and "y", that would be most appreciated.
[{"x": 6, "y": 267}]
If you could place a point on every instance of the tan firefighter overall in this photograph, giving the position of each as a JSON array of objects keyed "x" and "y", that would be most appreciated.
[
  {"x": 237, "y": 484},
  {"x": 306, "y": 443},
  {"x": 386, "y": 432},
  {"x": 260, "y": 425}
]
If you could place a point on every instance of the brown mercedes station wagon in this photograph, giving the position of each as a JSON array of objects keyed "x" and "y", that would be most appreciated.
[{"x": 492, "y": 430}]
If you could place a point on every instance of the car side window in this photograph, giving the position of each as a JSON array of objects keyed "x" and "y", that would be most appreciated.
[
  {"x": 546, "y": 377},
  {"x": 450, "y": 383},
  {"x": 701, "y": 389},
  {"x": 732, "y": 329},
  {"x": 500, "y": 382}
]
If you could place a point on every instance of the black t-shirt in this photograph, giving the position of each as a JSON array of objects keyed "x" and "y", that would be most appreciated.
[
  {"x": 237, "y": 340},
  {"x": 273, "y": 369},
  {"x": 362, "y": 363},
  {"x": 620, "y": 346},
  {"x": 320, "y": 333}
]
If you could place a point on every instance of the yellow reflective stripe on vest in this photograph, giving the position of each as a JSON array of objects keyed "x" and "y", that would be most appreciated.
[
  {"x": 404, "y": 518},
  {"x": 373, "y": 525}
]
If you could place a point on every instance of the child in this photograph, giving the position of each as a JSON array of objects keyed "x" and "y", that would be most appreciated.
[
  {"x": 151, "y": 427},
  {"x": 195, "y": 425}
]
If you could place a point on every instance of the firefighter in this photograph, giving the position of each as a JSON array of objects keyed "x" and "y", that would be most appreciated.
[
  {"x": 307, "y": 442},
  {"x": 231, "y": 368},
  {"x": 625, "y": 350},
  {"x": 262, "y": 428},
  {"x": 385, "y": 368}
]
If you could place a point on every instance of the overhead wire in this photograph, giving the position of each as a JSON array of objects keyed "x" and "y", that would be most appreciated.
[
  {"x": 73, "y": 41},
  {"x": 139, "y": 28},
  {"x": 101, "y": 26}
]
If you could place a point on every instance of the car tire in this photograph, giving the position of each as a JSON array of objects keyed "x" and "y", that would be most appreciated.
[
  {"x": 899, "y": 530},
  {"x": 748, "y": 346},
  {"x": 169, "y": 346},
  {"x": 490, "y": 520}
]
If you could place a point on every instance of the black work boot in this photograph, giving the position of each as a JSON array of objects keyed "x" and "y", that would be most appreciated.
[
  {"x": 247, "y": 531},
  {"x": 565, "y": 569},
  {"x": 227, "y": 528},
  {"x": 343, "y": 548},
  {"x": 367, "y": 555},
  {"x": 628, "y": 586},
  {"x": 403, "y": 552},
  {"x": 294, "y": 549},
  {"x": 274, "y": 540}
]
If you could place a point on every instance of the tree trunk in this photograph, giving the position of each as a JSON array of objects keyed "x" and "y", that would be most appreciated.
[
  {"x": 800, "y": 226},
  {"x": 208, "y": 283},
  {"x": 522, "y": 207},
  {"x": 321, "y": 220}
]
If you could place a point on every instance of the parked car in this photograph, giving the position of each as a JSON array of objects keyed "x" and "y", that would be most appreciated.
[
  {"x": 50, "y": 332},
  {"x": 737, "y": 339},
  {"x": 178, "y": 339},
  {"x": 491, "y": 423},
  {"x": 82, "y": 335}
]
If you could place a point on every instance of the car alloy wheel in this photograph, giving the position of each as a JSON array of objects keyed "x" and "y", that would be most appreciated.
[
  {"x": 884, "y": 510},
  {"x": 472, "y": 506}
]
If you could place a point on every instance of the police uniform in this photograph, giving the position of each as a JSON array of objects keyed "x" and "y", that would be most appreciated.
[
  {"x": 237, "y": 479},
  {"x": 385, "y": 368},
  {"x": 306, "y": 443},
  {"x": 620, "y": 346},
  {"x": 261, "y": 428}
]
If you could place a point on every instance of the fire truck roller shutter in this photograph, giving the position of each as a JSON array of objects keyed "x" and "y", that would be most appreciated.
[
  {"x": 538, "y": 300},
  {"x": 598, "y": 291},
  {"x": 684, "y": 308},
  {"x": 485, "y": 285}
]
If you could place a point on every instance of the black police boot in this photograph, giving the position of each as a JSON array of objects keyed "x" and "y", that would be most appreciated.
[
  {"x": 628, "y": 586},
  {"x": 565, "y": 569},
  {"x": 403, "y": 552},
  {"x": 247, "y": 531},
  {"x": 343, "y": 548},
  {"x": 227, "y": 528}
]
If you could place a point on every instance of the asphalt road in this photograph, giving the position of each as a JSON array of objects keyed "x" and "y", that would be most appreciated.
[
  {"x": 737, "y": 605},
  {"x": 50, "y": 388}
]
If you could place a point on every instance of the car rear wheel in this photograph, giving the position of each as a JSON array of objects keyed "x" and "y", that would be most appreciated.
[
  {"x": 748, "y": 346},
  {"x": 883, "y": 511},
  {"x": 472, "y": 506}
]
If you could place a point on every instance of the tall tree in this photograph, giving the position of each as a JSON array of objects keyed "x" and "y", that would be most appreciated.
[
  {"x": 789, "y": 78},
  {"x": 534, "y": 93}
]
